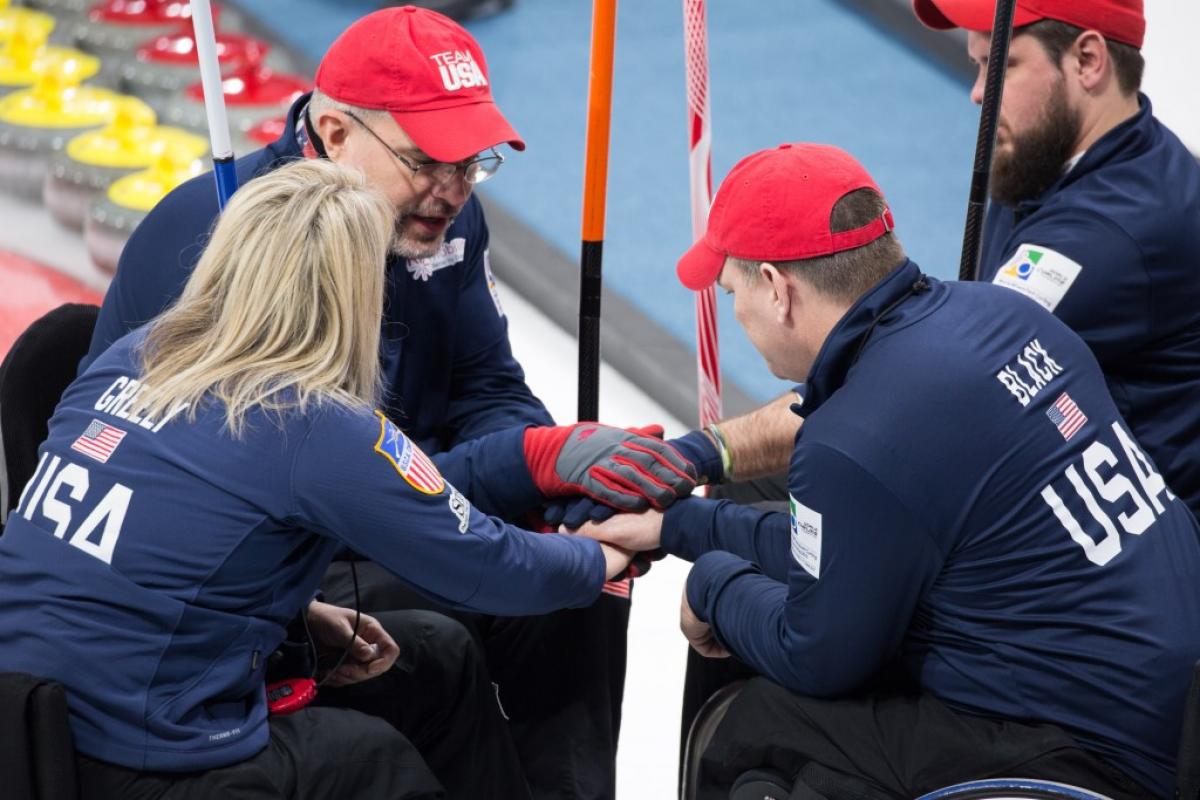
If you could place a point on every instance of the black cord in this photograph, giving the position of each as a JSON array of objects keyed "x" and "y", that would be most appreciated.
[
  {"x": 919, "y": 285},
  {"x": 353, "y": 634}
]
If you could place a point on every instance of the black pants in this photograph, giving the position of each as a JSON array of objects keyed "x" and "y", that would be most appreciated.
[
  {"x": 560, "y": 678},
  {"x": 887, "y": 746},
  {"x": 429, "y": 722},
  {"x": 705, "y": 676}
]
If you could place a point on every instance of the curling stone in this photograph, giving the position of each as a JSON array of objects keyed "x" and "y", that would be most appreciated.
[
  {"x": 259, "y": 135},
  {"x": 166, "y": 65},
  {"x": 94, "y": 160},
  {"x": 253, "y": 92},
  {"x": 36, "y": 123},
  {"x": 25, "y": 56},
  {"x": 114, "y": 29},
  {"x": 17, "y": 18},
  {"x": 114, "y": 214}
]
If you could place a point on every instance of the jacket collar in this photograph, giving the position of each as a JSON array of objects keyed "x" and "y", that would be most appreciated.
[
  {"x": 290, "y": 143},
  {"x": 852, "y": 333}
]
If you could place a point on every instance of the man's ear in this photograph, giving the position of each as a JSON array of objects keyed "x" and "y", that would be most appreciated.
[
  {"x": 782, "y": 292},
  {"x": 1092, "y": 61},
  {"x": 333, "y": 127}
]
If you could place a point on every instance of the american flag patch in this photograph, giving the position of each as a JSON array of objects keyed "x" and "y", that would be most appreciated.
[
  {"x": 413, "y": 465},
  {"x": 1066, "y": 415},
  {"x": 99, "y": 441}
]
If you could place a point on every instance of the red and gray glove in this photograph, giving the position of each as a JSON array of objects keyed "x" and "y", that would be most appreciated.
[{"x": 627, "y": 469}]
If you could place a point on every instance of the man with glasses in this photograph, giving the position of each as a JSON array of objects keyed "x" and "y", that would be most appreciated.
[{"x": 404, "y": 96}]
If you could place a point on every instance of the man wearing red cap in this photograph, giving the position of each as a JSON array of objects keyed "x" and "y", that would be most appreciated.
[
  {"x": 1096, "y": 208},
  {"x": 981, "y": 573},
  {"x": 404, "y": 95},
  {"x": 1082, "y": 222}
]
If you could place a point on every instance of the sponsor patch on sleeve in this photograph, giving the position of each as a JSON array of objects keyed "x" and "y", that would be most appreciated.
[
  {"x": 413, "y": 465},
  {"x": 491, "y": 282},
  {"x": 806, "y": 537},
  {"x": 1040, "y": 274}
]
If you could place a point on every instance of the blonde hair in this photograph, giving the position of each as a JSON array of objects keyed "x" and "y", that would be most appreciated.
[{"x": 283, "y": 308}]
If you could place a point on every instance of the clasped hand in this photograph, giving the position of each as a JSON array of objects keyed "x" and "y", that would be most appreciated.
[{"x": 372, "y": 652}]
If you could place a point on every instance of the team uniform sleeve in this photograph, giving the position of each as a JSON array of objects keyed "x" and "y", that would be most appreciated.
[
  {"x": 155, "y": 264},
  {"x": 493, "y": 473},
  {"x": 488, "y": 392},
  {"x": 840, "y": 615},
  {"x": 1108, "y": 301},
  {"x": 356, "y": 478},
  {"x": 694, "y": 526}
]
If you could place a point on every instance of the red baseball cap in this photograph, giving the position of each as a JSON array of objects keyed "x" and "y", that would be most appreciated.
[
  {"x": 428, "y": 72},
  {"x": 776, "y": 205},
  {"x": 1120, "y": 20}
]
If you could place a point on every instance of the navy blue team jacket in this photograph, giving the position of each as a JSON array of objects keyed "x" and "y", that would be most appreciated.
[
  {"x": 991, "y": 521},
  {"x": 153, "y": 564},
  {"x": 1113, "y": 249},
  {"x": 447, "y": 364}
]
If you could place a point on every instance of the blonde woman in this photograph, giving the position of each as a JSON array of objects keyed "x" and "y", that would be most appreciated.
[{"x": 195, "y": 484}]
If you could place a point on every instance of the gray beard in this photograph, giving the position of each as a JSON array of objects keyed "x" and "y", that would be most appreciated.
[{"x": 407, "y": 249}]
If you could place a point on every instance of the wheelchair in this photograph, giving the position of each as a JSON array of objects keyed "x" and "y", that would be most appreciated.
[
  {"x": 37, "y": 756},
  {"x": 768, "y": 785}
]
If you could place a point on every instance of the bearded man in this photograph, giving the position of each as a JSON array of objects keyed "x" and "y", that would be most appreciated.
[
  {"x": 1095, "y": 217},
  {"x": 1096, "y": 208}
]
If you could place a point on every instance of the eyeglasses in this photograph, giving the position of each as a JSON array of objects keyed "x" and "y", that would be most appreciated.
[{"x": 439, "y": 173}]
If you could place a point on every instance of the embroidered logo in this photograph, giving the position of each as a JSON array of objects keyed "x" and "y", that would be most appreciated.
[
  {"x": 458, "y": 70},
  {"x": 448, "y": 255},
  {"x": 413, "y": 465},
  {"x": 1066, "y": 416},
  {"x": 98, "y": 441}
]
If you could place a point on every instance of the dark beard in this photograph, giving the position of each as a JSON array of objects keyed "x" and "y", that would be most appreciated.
[{"x": 1038, "y": 156}]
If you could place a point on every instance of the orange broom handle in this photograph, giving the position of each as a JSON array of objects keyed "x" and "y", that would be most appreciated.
[{"x": 595, "y": 184}]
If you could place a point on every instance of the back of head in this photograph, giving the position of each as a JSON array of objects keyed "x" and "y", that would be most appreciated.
[
  {"x": 848, "y": 274},
  {"x": 283, "y": 308},
  {"x": 809, "y": 209}
]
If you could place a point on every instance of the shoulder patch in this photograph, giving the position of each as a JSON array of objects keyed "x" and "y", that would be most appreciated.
[
  {"x": 413, "y": 465},
  {"x": 806, "y": 536},
  {"x": 1039, "y": 273}
]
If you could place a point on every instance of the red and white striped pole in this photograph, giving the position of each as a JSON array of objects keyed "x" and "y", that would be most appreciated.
[{"x": 695, "y": 48}]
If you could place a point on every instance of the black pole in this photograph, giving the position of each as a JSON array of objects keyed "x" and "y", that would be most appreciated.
[
  {"x": 589, "y": 330},
  {"x": 993, "y": 88}
]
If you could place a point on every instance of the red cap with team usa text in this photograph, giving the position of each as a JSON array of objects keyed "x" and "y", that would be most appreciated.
[
  {"x": 1120, "y": 20},
  {"x": 777, "y": 205},
  {"x": 428, "y": 72}
]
